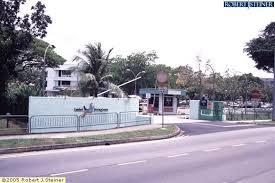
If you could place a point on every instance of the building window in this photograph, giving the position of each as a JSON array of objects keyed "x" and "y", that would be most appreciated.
[
  {"x": 65, "y": 83},
  {"x": 66, "y": 73},
  {"x": 168, "y": 101}
]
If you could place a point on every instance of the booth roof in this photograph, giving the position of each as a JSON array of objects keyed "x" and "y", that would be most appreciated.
[{"x": 178, "y": 92}]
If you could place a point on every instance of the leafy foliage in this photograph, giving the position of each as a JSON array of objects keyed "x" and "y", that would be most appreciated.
[
  {"x": 18, "y": 96},
  {"x": 16, "y": 35},
  {"x": 94, "y": 63},
  {"x": 136, "y": 62},
  {"x": 33, "y": 56},
  {"x": 261, "y": 49}
]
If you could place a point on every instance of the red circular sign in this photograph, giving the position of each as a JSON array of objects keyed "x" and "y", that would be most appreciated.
[
  {"x": 255, "y": 94},
  {"x": 162, "y": 77}
]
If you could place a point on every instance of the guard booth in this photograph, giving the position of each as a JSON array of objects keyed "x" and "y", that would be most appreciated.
[
  {"x": 170, "y": 99},
  {"x": 210, "y": 110}
]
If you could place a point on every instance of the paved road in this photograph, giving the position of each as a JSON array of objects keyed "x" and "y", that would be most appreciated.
[
  {"x": 199, "y": 128},
  {"x": 232, "y": 156}
]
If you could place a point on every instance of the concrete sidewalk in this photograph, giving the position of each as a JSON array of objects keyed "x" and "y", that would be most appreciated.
[
  {"x": 174, "y": 119},
  {"x": 250, "y": 121},
  {"x": 83, "y": 133}
]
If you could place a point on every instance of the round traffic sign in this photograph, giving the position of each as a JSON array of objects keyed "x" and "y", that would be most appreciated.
[{"x": 162, "y": 77}]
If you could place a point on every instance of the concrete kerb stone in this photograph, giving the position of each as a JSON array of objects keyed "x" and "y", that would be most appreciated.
[
  {"x": 256, "y": 122},
  {"x": 85, "y": 144},
  {"x": 270, "y": 123}
]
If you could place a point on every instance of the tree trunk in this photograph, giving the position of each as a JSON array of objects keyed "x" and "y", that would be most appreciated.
[{"x": 3, "y": 88}]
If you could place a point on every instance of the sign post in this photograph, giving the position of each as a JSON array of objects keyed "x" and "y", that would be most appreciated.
[
  {"x": 162, "y": 91},
  {"x": 162, "y": 115},
  {"x": 162, "y": 83}
]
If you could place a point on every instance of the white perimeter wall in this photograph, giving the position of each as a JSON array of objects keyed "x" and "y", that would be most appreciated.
[
  {"x": 194, "y": 109},
  {"x": 66, "y": 105}
]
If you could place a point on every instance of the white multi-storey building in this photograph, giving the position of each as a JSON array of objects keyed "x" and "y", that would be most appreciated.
[{"x": 60, "y": 79}]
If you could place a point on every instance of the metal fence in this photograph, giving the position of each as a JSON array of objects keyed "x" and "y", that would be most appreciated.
[
  {"x": 96, "y": 121},
  {"x": 237, "y": 115},
  {"x": 99, "y": 121},
  {"x": 132, "y": 119},
  {"x": 53, "y": 123}
]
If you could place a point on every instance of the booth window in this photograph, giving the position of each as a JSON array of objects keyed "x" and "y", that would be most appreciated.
[
  {"x": 151, "y": 101},
  {"x": 168, "y": 101}
]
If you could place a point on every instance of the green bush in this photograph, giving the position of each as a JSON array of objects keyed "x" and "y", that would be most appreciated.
[{"x": 18, "y": 96}]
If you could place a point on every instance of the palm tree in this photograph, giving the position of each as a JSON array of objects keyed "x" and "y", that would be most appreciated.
[{"x": 94, "y": 64}]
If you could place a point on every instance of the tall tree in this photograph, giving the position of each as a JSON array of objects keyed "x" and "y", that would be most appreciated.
[
  {"x": 94, "y": 63},
  {"x": 192, "y": 81},
  {"x": 16, "y": 34},
  {"x": 261, "y": 49},
  {"x": 31, "y": 71},
  {"x": 125, "y": 69}
]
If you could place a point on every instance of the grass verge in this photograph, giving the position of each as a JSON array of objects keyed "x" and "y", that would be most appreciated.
[
  {"x": 14, "y": 127},
  {"x": 12, "y": 143}
]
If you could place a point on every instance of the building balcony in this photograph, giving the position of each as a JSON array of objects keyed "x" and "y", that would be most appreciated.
[
  {"x": 65, "y": 78},
  {"x": 64, "y": 87}
]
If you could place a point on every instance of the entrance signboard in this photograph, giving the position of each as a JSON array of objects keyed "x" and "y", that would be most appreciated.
[{"x": 162, "y": 90}]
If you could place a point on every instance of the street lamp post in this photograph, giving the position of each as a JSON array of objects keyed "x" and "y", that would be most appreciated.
[
  {"x": 135, "y": 76},
  {"x": 77, "y": 76},
  {"x": 213, "y": 72},
  {"x": 44, "y": 69}
]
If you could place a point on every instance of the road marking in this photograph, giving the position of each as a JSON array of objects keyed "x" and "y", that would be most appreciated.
[
  {"x": 177, "y": 155},
  {"x": 238, "y": 145},
  {"x": 130, "y": 163},
  {"x": 260, "y": 141},
  {"x": 210, "y": 150},
  {"x": 70, "y": 172}
]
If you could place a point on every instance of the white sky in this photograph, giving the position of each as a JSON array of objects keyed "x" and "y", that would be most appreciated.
[{"x": 177, "y": 30}]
